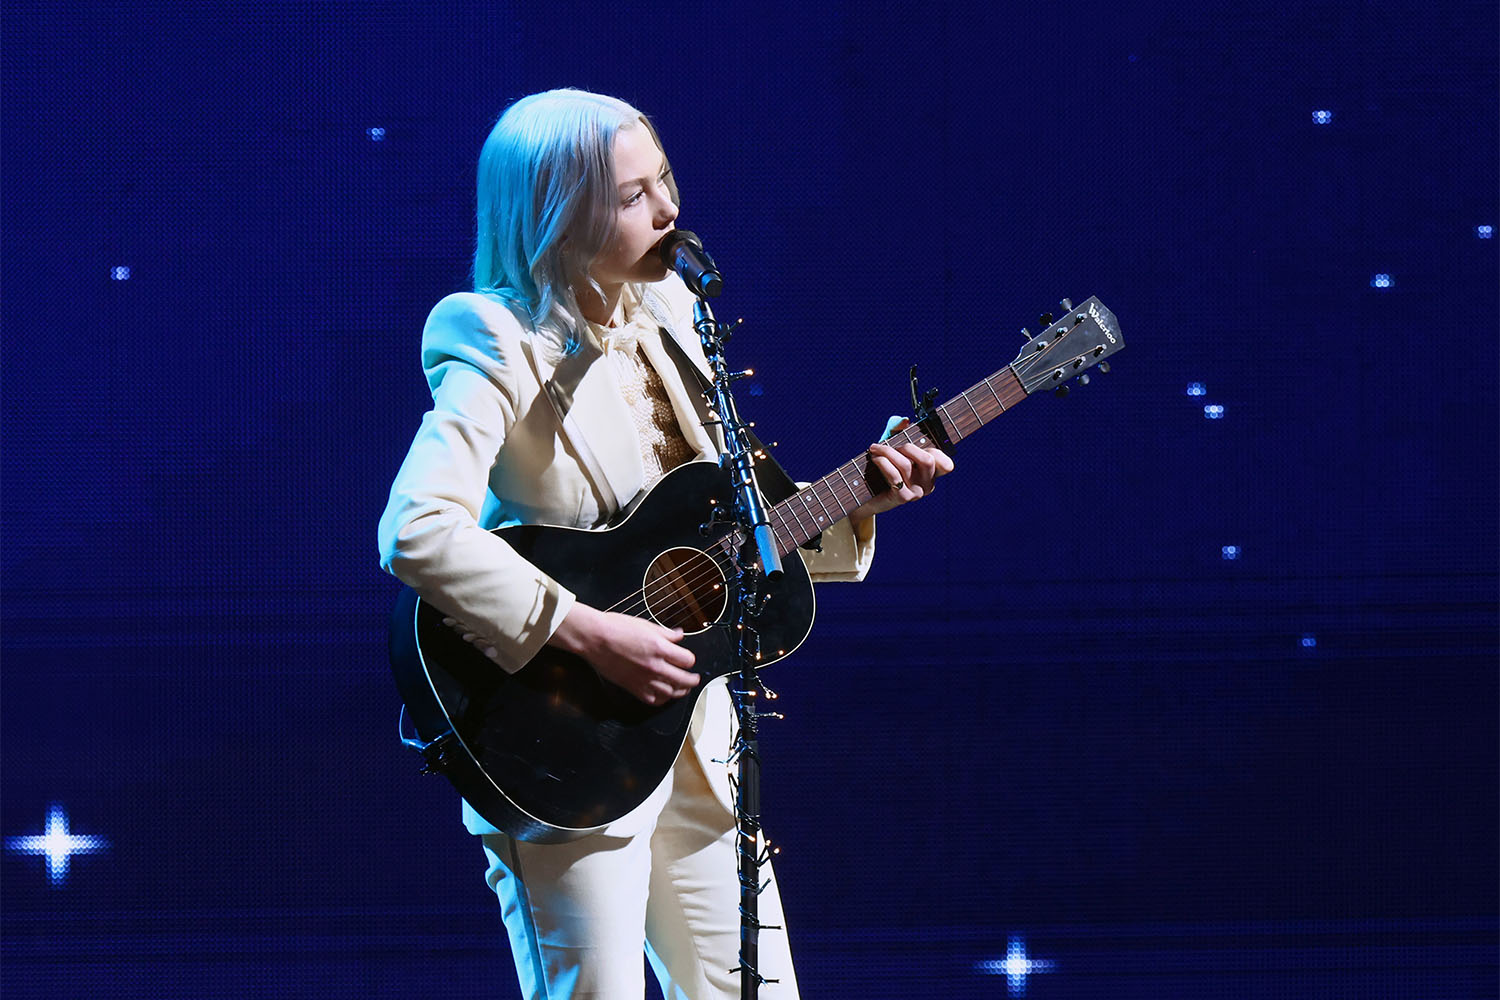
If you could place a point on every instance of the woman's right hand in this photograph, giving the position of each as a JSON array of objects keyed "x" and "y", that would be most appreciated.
[{"x": 640, "y": 656}]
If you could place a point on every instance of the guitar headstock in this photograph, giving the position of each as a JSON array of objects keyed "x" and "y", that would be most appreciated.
[{"x": 1084, "y": 337}]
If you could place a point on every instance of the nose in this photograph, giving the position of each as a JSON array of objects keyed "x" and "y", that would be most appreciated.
[{"x": 666, "y": 212}]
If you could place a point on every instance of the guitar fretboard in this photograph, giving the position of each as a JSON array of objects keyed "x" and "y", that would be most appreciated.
[{"x": 807, "y": 512}]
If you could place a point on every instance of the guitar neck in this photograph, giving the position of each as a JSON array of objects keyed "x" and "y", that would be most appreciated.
[{"x": 802, "y": 516}]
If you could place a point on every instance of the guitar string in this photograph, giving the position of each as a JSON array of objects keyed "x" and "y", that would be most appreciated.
[
  {"x": 722, "y": 562},
  {"x": 639, "y": 601}
]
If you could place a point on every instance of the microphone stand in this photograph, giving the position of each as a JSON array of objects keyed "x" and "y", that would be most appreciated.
[{"x": 757, "y": 564}]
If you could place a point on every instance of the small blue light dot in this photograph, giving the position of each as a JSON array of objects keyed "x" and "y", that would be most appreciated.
[
  {"x": 1230, "y": 552},
  {"x": 1196, "y": 389},
  {"x": 1309, "y": 641},
  {"x": 1213, "y": 411},
  {"x": 375, "y": 134},
  {"x": 120, "y": 273},
  {"x": 1322, "y": 117},
  {"x": 1484, "y": 232},
  {"x": 1381, "y": 281}
]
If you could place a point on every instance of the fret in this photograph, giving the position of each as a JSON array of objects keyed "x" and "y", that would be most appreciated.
[
  {"x": 827, "y": 518},
  {"x": 812, "y": 520},
  {"x": 860, "y": 491},
  {"x": 854, "y": 500},
  {"x": 778, "y": 523},
  {"x": 989, "y": 384},
  {"x": 955, "y": 433},
  {"x": 978, "y": 420},
  {"x": 791, "y": 508}
]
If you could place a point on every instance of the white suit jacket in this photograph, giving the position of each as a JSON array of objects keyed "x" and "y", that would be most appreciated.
[{"x": 519, "y": 433}]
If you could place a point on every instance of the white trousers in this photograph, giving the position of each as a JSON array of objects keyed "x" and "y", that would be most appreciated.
[{"x": 577, "y": 913}]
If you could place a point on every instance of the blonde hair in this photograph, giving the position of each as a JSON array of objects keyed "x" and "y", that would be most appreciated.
[{"x": 547, "y": 201}]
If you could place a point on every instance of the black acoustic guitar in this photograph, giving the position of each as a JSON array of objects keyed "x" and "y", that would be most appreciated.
[{"x": 553, "y": 751}]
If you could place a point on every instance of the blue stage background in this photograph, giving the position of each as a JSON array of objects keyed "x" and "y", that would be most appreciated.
[{"x": 1171, "y": 701}]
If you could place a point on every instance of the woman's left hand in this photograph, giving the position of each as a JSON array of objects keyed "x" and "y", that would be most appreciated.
[{"x": 909, "y": 469}]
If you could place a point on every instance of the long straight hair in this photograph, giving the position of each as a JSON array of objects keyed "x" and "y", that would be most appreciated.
[{"x": 547, "y": 202}]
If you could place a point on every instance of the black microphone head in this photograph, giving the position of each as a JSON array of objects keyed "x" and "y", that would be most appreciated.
[
  {"x": 683, "y": 252},
  {"x": 667, "y": 248}
]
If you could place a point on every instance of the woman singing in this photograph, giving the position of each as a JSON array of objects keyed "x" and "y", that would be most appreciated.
[{"x": 561, "y": 390}]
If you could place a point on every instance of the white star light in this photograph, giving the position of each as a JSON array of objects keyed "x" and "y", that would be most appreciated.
[
  {"x": 57, "y": 844},
  {"x": 1015, "y": 967}
]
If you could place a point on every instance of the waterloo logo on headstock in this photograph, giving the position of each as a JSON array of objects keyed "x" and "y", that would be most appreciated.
[
  {"x": 1097, "y": 316},
  {"x": 1081, "y": 339}
]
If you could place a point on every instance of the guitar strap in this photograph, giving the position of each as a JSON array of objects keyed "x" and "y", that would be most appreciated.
[{"x": 775, "y": 484}]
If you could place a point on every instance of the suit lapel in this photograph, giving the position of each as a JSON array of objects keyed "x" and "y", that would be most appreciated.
[{"x": 586, "y": 399}]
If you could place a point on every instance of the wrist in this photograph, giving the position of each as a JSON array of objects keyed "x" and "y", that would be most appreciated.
[{"x": 574, "y": 634}]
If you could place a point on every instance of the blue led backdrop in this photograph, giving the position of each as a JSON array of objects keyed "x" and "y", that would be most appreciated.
[{"x": 1182, "y": 686}]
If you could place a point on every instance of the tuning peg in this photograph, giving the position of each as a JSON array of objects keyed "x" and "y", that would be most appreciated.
[
  {"x": 1025, "y": 333},
  {"x": 1060, "y": 391},
  {"x": 1104, "y": 367},
  {"x": 1045, "y": 319},
  {"x": 1083, "y": 379},
  {"x": 1067, "y": 304}
]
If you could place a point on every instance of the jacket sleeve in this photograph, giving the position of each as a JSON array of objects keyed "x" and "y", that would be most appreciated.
[
  {"x": 430, "y": 536},
  {"x": 846, "y": 555}
]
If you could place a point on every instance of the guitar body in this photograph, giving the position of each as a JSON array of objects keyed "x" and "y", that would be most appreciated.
[{"x": 554, "y": 751}]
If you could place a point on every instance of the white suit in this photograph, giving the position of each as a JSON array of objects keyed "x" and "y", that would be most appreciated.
[{"x": 520, "y": 432}]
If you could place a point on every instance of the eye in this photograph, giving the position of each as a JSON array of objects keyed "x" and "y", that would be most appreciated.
[{"x": 635, "y": 198}]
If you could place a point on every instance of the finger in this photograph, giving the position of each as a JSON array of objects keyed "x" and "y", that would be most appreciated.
[
  {"x": 663, "y": 691},
  {"x": 676, "y": 658},
  {"x": 893, "y": 476},
  {"x": 675, "y": 671},
  {"x": 922, "y": 463},
  {"x": 673, "y": 652},
  {"x": 899, "y": 462}
]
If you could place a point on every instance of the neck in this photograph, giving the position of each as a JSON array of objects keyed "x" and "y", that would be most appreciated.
[{"x": 598, "y": 308}]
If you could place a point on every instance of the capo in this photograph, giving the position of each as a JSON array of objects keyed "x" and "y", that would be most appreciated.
[
  {"x": 925, "y": 415},
  {"x": 921, "y": 402}
]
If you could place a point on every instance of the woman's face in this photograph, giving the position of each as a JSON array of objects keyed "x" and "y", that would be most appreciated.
[{"x": 644, "y": 215}]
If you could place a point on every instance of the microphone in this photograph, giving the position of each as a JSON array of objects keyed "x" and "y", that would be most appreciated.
[{"x": 683, "y": 252}]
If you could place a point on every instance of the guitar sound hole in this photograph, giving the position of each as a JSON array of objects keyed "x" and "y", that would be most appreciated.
[{"x": 685, "y": 589}]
